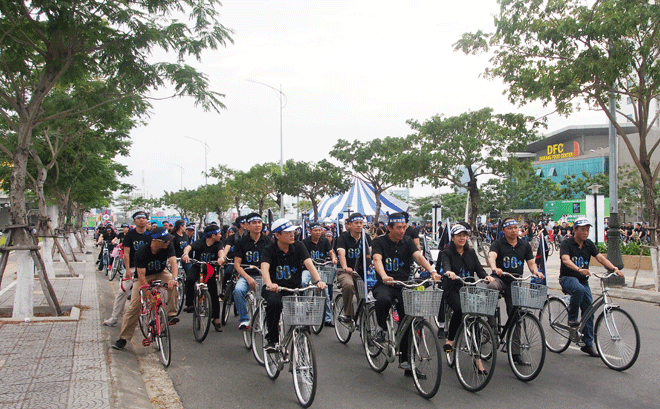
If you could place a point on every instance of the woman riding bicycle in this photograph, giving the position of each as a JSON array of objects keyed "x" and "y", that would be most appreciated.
[{"x": 458, "y": 260}]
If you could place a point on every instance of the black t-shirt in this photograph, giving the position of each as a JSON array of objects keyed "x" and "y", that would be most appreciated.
[
  {"x": 353, "y": 249},
  {"x": 180, "y": 243},
  {"x": 121, "y": 236},
  {"x": 250, "y": 251},
  {"x": 134, "y": 241},
  {"x": 465, "y": 265},
  {"x": 320, "y": 250},
  {"x": 565, "y": 230},
  {"x": 231, "y": 241},
  {"x": 109, "y": 235},
  {"x": 581, "y": 257},
  {"x": 412, "y": 233},
  {"x": 153, "y": 263},
  {"x": 511, "y": 259},
  {"x": 286, "y": 268},
  {"x": 397, "y": 257},
  {"x": 202, "y": 252}
]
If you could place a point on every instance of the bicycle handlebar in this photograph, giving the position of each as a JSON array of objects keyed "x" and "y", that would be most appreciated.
[
  {"x": 213, "y": 263},
  {"x": 297, "y": 290},
  {"x": 481, "y": 280},
  {"x": 605, "y": 276},
  {"x": 406, "y": 285}
]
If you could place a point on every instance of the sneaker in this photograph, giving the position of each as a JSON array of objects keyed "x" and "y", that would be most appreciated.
[
  {"x": 119, "y": 345},
  {"x": 189, "y": 309},
  {"x": 329, "y": 324},
  {"x": 518, "y": 360},
  {"x": 405, "y": 366},
  {"x": 173, "y": 320},
  {"x": 244, "y": 326},
  {"x": 270, "y": 347},
  {"x": 573, "y": 324},
  {"x": 110, "y": 322},
  {"x": 591, "y": 350},
  {"x": 345, "y": 319},
  {"x": 380, "y": 336}
]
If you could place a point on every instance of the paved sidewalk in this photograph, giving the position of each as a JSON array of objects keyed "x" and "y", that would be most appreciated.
[{"x": 66, "y": 362}]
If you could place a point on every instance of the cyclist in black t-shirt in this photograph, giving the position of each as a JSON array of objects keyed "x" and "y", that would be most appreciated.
[
  {"x": 349, "y": 249},
  {"x": 393, "y": 255},
  {"x": 282, "y": 265}
]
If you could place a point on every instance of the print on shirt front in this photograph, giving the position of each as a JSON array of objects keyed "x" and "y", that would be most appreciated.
[
  {"x": 353, "y": 249},
  {"x": 153, "y": 263},
  {"x": 135, "y": 241},
  {"x": 286, "y": 268},
  {"x": 397, "y": 257}
]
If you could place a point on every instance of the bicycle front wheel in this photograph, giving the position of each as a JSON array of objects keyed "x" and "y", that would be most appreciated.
[
  {"x": 163, "y": 333},
  {"x": 180, "y": 293},
  {"x": 425, "y": 359},
  {"x": 375, "y": 351},
  {"x": 450, "y": 356},
  {"x": 526, "y": 347},
  {"x": 113, "y": 270},
  {"x": 474, "y": 342},
  {"x": 247, "y": 337},
  {"x": 226, "y": 307},
  {"x": 554, "y": 321},
  {"x": 202, "y": 316},
  {"x": 342, "y": 329},
  {"x": 303, "y": 362},
  {"x": 617, "y": 338},
  {"x": 143, "y": 320},
  {"x": 257, "y": 334}
]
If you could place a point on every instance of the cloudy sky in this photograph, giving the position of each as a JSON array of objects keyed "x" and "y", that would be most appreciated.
[{"x": 349, "y": 69}]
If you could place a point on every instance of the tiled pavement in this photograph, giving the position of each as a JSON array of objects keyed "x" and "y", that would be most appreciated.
[{"x": 56, "y": 364}]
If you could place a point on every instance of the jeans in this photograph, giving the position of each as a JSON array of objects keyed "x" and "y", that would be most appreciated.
[
  {"x": 581, "y": 299},
  {"x": 240, "y": 291},
  {"x": 306, "y": 280}
]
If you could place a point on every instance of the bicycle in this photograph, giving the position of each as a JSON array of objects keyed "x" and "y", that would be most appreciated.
[
  {"x": 104, "y": 263},
  {"x": 423, "y": 346},
  {"x": 117, "y": 267},
  {"x": 344, "y": 330},
  {"x": 522, "y": 337},
  {"x": 154, "y": 322},
  {"x": 615, "y": 332},
  {"x": 228, "y": 295},
  {"x": 295, "y": 346},
  {"x": 202, "y": 302},
  {"x": 181, "y": 286},
  {"x": 252, "y": 300},
  {"x": 258, "y": 324},
  {"x": 327, "y": 272}
]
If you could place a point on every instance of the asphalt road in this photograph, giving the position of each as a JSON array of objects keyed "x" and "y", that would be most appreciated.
[{"x": 220, "y": 372}]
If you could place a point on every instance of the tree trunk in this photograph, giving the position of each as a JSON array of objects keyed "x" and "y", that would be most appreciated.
[
  {"x": 377, "y": 193},
  {"x": 473, "y": 191},
  {"x": 315, "y": 206}
]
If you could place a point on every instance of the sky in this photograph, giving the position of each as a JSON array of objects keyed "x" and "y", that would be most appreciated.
[{"x": 349, "y": 70}]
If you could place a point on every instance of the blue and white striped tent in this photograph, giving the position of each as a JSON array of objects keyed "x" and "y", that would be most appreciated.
[{"x": 360, "y": 198}]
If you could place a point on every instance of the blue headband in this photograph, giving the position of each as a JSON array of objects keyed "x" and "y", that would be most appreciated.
[
  {"x": 396, "y": 220},
  {"x": 509, "y": 223},
  {"x": 211, "y": 233},
  {"x": 253, "y": 218},
  {"x": 160, "y": 235},
  {"x": 356, "y": 219}
]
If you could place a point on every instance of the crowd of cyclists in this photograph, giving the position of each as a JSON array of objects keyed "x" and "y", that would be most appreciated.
[{"x": 284, "y": 255}]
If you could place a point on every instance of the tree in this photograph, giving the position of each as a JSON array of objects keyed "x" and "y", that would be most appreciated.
[
  {"x": 564, "y": 50},
  {"x": 376, "y": 162},
  {"x": 452, "y": 205},
  {"x": 46, "y": 44},
  {"x": 456, "y": 151},
  {"x": 312, "y": 181},
  {"x": 577, "y": 186}
]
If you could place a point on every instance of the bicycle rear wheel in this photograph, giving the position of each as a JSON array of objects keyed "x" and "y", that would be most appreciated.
[
  {"x": 554, "y": 321},
  {"x": 471, "y": 345},
  {"x": 273, "y": 360},
  {"x": 247, "y": 336},
  {"x": 425, "y": 359},
  {"x": 526, "y": 338},
  {"x": 202, "y": 316},
  {"x": 303, "y": 363},
  {"x": 164, "y": 340},
  {"x": 257, "y": 334},
  {"x": 450, "y": 356},
  {"x": 226, "y": 305},
  {"x": 342, "y": 329},
  {"x": 316, "y": 329},
  {"x": 375, "y": 352},
  {"x": 617, "y": 338}
]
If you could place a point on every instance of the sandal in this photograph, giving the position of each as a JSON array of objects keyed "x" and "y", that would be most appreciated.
[{"x": 448, "y": 348}]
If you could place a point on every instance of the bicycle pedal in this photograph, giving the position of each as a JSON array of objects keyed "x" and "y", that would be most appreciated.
[{"x": 146, "y": 342}]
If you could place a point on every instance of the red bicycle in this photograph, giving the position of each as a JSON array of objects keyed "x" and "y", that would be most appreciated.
[{"x": 153, "y": 320}]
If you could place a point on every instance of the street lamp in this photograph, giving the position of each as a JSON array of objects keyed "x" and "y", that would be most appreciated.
[
  {"x": 283, "y": 101},
  {"x": 206, "y": 152},
  {"x": 180, "y": 167}
]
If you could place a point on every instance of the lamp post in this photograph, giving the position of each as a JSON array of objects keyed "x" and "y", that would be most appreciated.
[
  {"x": 613, "y": 227},
  {"x": 206, "y": 152},
  {"x": 181, "y": 168},
  {"x": 283, "y": 101}
]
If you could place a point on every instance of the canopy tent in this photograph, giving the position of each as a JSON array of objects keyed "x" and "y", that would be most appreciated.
[{"x": 360, "y": 198}]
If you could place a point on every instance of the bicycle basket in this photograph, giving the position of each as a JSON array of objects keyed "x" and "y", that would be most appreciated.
[
  {"x": 258, "y": 287},
  {"x": 327, "y": 273},
  {"x": 528, "y": 295},
  {"x": 478, "y": 300},
  {"x": 302, "y": 310},
  {"x": 422, "y": 303}
]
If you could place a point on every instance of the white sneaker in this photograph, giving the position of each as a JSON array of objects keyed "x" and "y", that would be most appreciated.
[
  {"x": 244, "y": 326},
  {"x": 110, "y": 322}
]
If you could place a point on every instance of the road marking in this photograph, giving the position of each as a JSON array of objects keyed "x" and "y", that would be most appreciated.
[{"x": 4, "y": 290}]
